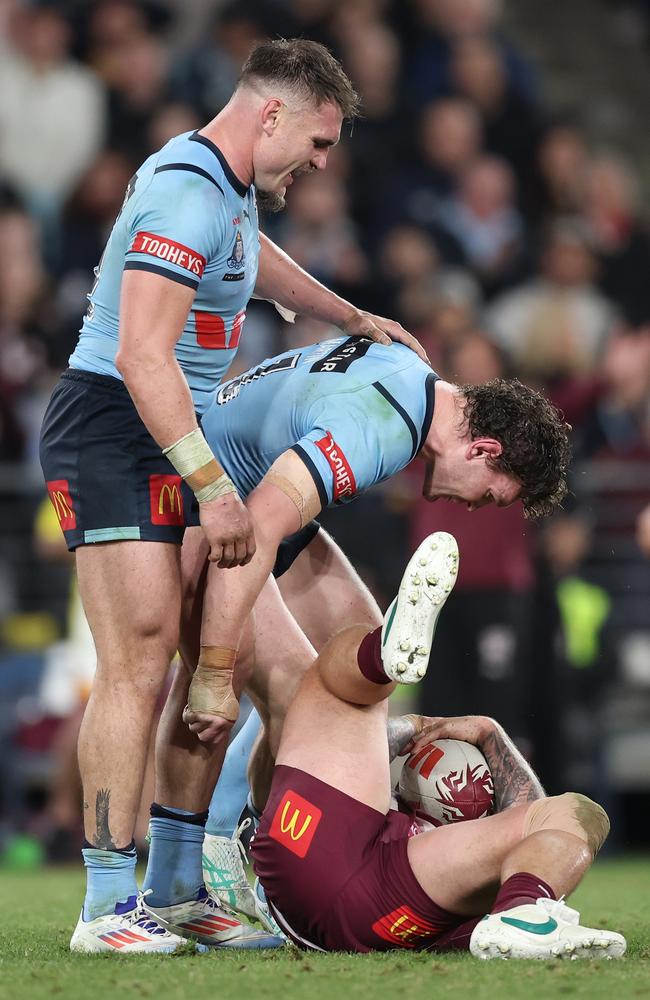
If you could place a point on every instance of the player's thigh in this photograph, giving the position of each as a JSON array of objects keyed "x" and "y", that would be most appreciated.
[
  {"x": 282, "y": 655},
  {"x": 458, "y": 864},
  {"x": 131, "y": 595},
  {"x": 324, "y": 592},
  {"x": 342, "y": 744}
]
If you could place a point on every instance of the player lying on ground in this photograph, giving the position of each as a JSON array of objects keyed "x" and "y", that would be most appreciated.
[
  {"x": 307, "y": 429},
  {"x": 339, "y": 868}
]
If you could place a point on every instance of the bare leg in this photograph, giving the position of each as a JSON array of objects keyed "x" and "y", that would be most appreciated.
[
  {"x": 187, "y": 769},
  {"x": 325, "y": 593},
  {"x": 131, "y": 596}
]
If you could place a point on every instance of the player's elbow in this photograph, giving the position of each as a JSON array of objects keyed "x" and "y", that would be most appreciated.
[{"x": 132, "y": 363}]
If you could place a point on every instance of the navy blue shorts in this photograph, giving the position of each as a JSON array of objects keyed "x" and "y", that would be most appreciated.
[{"x": 108, "y": 479}]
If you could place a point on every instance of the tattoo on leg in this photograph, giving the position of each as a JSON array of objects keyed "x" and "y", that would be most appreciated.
[{"x": 103, "y": 838}]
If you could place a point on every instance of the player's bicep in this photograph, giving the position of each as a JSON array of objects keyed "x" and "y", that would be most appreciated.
[
  {"x": 292, "y": 477},
  {"x": 153, "y": 312}
]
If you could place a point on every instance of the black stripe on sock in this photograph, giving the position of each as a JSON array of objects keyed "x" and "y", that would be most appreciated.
[{"x": 160, "y": 812}]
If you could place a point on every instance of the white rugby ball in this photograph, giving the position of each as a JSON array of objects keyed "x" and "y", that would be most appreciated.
[{"x": 447, "y": 781}]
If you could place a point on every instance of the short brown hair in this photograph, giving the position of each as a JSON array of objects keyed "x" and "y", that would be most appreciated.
[
  {"x": 306, "y": 66},
  {"x": 533, "y": 435}
]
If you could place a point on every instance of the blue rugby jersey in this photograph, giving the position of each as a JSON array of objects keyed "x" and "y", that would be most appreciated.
[
  {"x": 185, "y": 216},
  {"x": 356, "y": 412}
]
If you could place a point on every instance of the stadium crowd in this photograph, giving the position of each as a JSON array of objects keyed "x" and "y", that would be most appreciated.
[{"x": 489, "y": 224}]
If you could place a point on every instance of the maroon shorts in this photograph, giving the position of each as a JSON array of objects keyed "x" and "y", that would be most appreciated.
[{"x": 336, "y": 872}]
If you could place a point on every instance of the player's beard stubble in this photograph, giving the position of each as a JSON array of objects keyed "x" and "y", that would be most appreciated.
[{"x": 270, "y": 201}]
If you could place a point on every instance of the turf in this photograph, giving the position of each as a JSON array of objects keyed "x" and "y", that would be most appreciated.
[{"x": 40, "y": 907}]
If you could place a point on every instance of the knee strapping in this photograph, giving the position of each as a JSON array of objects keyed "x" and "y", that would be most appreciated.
[{"x": 572, "y": 813}]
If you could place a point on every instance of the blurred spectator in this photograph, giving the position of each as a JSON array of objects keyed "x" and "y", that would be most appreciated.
[
  {"x": 482, "y": 648},
  {"x": 510, "y": 121},
  {"x": 86, "y": 222},
  {"x": 555, "y": 185},
  {"x": 317, "y": 232},
  {"x": 483, "y": 219},
  {"x": 52, "y": 110},
  {"x": 205, "y": 76},
  {"x": 622, "y": 242},
  {"x": 437, "y": 24},
  {"x": 382, "y": 132},
  {"x": 449, "y": 139},
  {"x": 170, "y": 120},
  {"x": 435, "y": 301},
  {"x": 557, "y": 324}
]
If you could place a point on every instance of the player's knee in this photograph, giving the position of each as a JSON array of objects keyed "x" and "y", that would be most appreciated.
[
  {"x": 592, "y": 818},
  {"x": 570, "y": 813}
]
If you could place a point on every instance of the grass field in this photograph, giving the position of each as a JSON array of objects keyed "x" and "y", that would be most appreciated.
[{"x": 39, "y": 909}]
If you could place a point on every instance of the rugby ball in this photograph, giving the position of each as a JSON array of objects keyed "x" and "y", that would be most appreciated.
[{"x": 447, "y": 781}]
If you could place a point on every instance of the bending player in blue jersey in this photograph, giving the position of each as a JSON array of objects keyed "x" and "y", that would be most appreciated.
[
  {"x": 297, "y": 433},
  {"x": 125, "y": 460}
]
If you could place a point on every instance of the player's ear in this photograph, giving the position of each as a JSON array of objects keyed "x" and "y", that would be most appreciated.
[
  {"x": 484, "y": 448},
  {"x": 271, "y": 115}
]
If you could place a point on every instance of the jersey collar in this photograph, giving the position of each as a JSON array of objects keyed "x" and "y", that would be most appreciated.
[{"x": 230, "y": 175}]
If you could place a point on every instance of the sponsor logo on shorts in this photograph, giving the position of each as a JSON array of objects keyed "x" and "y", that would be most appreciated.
[
  {"x": 295, "y": 823},
  {"x": 59, "y": 492},
  {"x": 404, "y": 928},
  {"x": 166, "y": 499},
  {"x": 344, "y": 482},
  {"x": 169, "y": 251}
]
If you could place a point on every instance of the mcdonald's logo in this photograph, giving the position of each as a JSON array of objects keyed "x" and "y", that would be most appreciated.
[
  {"x": 59, "y": 493},
  {"x": 404, "y": 928},
  {"x": 166, "y": 500},
  {"x": 295, "y": 822}
]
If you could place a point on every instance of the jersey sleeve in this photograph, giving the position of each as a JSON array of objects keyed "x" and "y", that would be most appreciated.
[
  {"x": 178, "y": 225},
  {"x": 356, "y": 441}
]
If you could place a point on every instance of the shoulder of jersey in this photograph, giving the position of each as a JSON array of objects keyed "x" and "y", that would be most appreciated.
[{"x": 188, "y": 153}]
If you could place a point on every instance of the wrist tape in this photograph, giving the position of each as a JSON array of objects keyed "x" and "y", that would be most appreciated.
[
  {"x": 192, "y": 458},
  {"x": 211, "y": 691}
]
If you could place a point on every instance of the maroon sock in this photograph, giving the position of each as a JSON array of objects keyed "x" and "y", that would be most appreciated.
[
  {"x": 521, "y": 888},
  {"x": 458, "y": 938},
  {"x": 369, "y": 658}
]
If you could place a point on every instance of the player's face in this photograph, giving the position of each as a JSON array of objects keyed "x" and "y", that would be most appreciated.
[
  {"x": 469, "y": 479},
  {"x": 295, "y": 142}
]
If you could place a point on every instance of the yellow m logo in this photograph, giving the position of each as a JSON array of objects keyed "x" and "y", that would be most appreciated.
[
  {"x": 290, "y": 827},
  {"x": 61, "y": 505},
  {"x": 173, "y": 496}
]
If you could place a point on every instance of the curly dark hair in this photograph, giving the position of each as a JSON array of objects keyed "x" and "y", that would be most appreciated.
[
  {"x": 308, "y": 67},
  {"x": 533, "y": 434}
]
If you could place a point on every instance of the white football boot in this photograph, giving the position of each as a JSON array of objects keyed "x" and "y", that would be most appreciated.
[
  {"x": 410, "y": 622},
  {"x": 545, "y": 929},
  {"x": 132, "y": 931},
  {"x": 224, "y": 873},
  {"x": 206, "y": 921}
]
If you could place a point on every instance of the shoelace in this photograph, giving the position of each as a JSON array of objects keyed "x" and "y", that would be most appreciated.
[
  {"x": 558, "y": 908},
  {"x": 244, "y": 825},
  {"x": 140, "y": 917}
]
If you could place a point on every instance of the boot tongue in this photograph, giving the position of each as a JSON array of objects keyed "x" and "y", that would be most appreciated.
[{"x": 129, "y": 904}]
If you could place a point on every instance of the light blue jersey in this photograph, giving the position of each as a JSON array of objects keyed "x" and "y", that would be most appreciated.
[
  {"x": 187, "y": 217},
  {"x": 356, "y": 412}
]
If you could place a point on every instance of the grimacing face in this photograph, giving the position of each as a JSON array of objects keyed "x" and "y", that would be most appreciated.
[
  {"x": 294, "y": 142},
  {"x": 473, "y": 483}
]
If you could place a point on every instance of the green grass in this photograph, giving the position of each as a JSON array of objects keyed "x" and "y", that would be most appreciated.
[{"x": 39, "y": 908}]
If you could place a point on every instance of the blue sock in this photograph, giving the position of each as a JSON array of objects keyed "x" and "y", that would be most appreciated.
[
  {"x": 232, "y": 789},
  {"x": 110, "y": 881},
  {"x": 174, "y": 871}
]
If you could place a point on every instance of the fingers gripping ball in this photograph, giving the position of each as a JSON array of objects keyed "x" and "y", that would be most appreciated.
[
  {"x": 447, "y": 781},
  {"x": 211, "y": 691}
]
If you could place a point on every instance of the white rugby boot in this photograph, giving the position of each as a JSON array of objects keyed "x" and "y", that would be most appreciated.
[
  {"x": 206, "y": 921},
  {"x": 410, "y": 622},
  {"x": 224, "y": 873},
  {"x": 545, "y": 929},
  {"x": 127, "y": 932}
]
